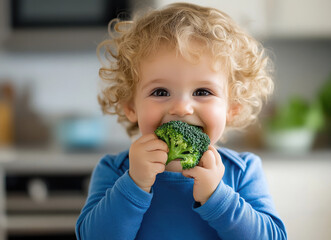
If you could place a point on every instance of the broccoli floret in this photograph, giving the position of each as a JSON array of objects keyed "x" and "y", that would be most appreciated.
[{"x": 186, "y": 142}]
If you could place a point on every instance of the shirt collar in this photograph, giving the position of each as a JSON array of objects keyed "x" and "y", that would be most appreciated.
[{"x": 232, "y": 156}]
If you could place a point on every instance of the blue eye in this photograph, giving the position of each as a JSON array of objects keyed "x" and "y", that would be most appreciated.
[
  {"x": 201, "y": 92},
  {"x": 160, "y": 92}
]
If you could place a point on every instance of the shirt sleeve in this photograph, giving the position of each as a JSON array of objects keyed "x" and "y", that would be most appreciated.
[
  {"x": 114, "y": 208},
  {"x": 247, "y": 213}
]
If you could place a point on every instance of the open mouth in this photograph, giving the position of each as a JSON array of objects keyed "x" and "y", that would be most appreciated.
[{"x": 199, "y": 127}]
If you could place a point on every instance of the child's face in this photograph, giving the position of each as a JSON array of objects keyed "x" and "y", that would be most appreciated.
[{"x": 172, "y": 88}]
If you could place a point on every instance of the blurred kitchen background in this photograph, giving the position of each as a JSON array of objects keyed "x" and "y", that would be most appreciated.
[{"x": 52, "y": 131}]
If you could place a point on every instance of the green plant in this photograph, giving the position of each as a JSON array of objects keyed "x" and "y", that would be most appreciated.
[
  {"x": 324, "y": 97},
  {"x": 298, "y": 113}
]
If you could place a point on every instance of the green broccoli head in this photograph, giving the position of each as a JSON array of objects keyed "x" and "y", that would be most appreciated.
[{"x": 185, "y": 142}]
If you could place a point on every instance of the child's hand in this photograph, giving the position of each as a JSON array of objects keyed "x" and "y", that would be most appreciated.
[
  {"x": 207, "y": 175},
  {"x": 147, "y": 157}
]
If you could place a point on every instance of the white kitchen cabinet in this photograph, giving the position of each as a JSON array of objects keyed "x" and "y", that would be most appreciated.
[
  {"x": 299, "y": 19},
  {"x": 301, "y": 188},
  {"x": 250, "y": 15},
  {"x": 275, "y": 18}
]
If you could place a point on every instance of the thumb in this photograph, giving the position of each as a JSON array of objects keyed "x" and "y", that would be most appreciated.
[
  {"x": 208, "y": 159},
  {"x": 192, "y": 172}
]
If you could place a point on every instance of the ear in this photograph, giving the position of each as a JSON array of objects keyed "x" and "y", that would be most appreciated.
[
  {"x": 130, "y": 111},
  {"x": 233, "y": 111}
]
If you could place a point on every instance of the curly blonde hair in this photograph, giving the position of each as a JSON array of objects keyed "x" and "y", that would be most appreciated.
[{"x": 178, "y": 25}]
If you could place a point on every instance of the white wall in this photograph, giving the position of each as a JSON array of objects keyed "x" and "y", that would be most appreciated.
[
  {"x": 300, "y": 186},
  {"x": 61, "y": 82}
]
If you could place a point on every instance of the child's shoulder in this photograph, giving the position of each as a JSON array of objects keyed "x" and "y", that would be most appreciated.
[
  {"x": 240, "y": 160},
  {"x": 115, "y": 161}
]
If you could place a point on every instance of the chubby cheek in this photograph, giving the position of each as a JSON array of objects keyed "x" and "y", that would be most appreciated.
[
  {"x": 149, "y": 118},
  {"x": 217, "y": 132},
  {"x": 215, "y": 122}
]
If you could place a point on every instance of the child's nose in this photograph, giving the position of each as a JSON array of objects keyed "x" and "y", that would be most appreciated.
[{"x": 181, "y": 108}]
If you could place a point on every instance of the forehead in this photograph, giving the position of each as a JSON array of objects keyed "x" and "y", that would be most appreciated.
[
  {"x": 168, "y": 68},
  {"x": 170, "y": 61}
]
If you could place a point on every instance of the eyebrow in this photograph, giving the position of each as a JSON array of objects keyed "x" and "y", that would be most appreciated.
[
  {"x": 208, "y": 83},
  {"x": 154, "y": 81}
]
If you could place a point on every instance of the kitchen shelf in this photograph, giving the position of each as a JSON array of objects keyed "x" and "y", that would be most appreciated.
[
  {"x": 58, "y": 202},
  {"x": 28, "y": 224}
]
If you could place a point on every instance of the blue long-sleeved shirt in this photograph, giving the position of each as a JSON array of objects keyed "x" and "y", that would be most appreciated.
[{"x": 240, "y": 208}]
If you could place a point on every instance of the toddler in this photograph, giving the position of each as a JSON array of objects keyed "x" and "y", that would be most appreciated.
[{"x": 194, "y": 64}]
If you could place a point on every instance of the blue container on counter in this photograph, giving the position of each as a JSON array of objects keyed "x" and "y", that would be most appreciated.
[{"x": 81, "y": 133}]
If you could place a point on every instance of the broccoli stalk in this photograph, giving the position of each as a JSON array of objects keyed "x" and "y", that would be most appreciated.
[{"x": 185, "y": 142}]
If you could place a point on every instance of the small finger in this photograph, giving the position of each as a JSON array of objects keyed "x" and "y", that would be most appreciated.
[
  {"x": 208, "y": 160},
  {"x": 159, "y": 157},
  {"x": 156, "y": 144},
  {"x": 217, "y": 155},
  {"x": 192, "y": 172},
  {"x": 187, "y": 174},
  {"x": 147, "y": 138},
  {"x": 159, "y": 168}
]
